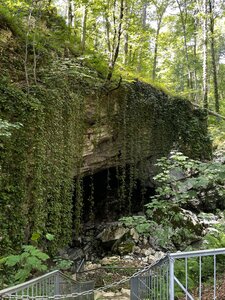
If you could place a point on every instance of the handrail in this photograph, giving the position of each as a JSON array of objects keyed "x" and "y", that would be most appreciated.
[
  {"x": 26, "y": 284},
  {"x": 198, "y": 253}
]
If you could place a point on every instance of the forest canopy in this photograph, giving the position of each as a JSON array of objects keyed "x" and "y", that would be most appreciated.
[{"x": 179, "y": 43}]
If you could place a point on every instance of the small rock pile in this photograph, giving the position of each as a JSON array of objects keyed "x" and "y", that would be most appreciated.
[{"x": 123, "y": 294}]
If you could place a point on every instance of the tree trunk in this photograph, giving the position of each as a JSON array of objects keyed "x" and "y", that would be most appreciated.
[
  {"x": 156, "y": 49},
  {"x": 213, "y": 57},
  {"x": 144, "y": 15},
  {"x": 205, "y": 56},
  {"x": 96, "y": 40},
  {"x": 195, "y": 60},
  {"x": 70, "y": 13},
  {"x": 116, "y": 41},
  {"x": 107, "y": 30},
  {"x": 126, "y": 47},
  {"x": 126, "y": 35},
  {"x": 183, "y": 22},
  {"x": 84, "y": 29},
  {"x": 143, "y": 21}
]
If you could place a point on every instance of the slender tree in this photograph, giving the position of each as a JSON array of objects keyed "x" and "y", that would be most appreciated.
[
  {"x": 143, "y": 30},
  {"x": 84, "y": 28},
  {"x": 213, "y": 55},
  {"x": 160, "y": 11},
  {"x": 205, "y": 53},
  {"x": 116, "y": 36},
  {"x": 183, "y": 17},
  {"x": 70, "y": 13}
]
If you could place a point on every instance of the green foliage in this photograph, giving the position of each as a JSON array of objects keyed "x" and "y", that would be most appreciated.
[
  {"x": 40, "y": 156},
  {"x": 62, "y": 264},
  {"x": 182, "y": 180},
  {"x": 215, "y": 238},
  {"x": 140, "y": 223},
  {"x": 10, "y": 21},
  {"x": 20, "y": 267},
  {"x": 179, "y": 182},
  {"x": 6, "y": 127},
  {"x": 49, "y": 237}
]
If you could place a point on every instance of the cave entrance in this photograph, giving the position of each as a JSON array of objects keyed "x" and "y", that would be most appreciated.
[{"x": 102, "y": 200}]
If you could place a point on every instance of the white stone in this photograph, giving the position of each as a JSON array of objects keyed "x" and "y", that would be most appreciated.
[
  {"x": 134, "y": 234},
  {"x": 146, "y": 252},
  {"x": 151, "y": 259},
  {"x": 137, "y": 250},
  {"x": 110, "y": 260},
  {"x": 145, "y": 241},
  {"x": 125, "y": 292},
  {"x": 158, "y": 255},
  {"x": 109, "y": 294},
  {"x": 128, "y": 257}
]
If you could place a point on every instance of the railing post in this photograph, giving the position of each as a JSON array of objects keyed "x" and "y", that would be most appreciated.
[
  {"x": 133, "y": 288},
  {"x": 171, "y": 278},
  {"x": 57, "y": 284}
]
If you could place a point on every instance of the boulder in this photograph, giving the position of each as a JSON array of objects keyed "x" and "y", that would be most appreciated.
[
  {"x": 112, "y": 233},
  {"x": 134, "y": 235}
]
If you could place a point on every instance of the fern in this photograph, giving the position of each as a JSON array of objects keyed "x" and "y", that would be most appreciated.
[{"x": 22, "y": 266}]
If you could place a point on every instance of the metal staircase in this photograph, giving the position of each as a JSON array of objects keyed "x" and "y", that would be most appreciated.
[
  {"x": 54, "y": 285},
  {"x": 169, "y": 278}
]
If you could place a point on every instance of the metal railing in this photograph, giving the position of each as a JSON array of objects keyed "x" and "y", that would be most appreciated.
[
  {"x": 153, "y": 284},
  {"x": 49, "y": 286},
  {"x": 197, "y": 267},
  {"x": 180, "y": 275}
]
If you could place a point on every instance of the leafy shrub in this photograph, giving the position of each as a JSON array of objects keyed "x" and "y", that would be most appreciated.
[
  {"x": 62, "y": 264},
  {"x": 140, "y": 223},
  {"x": 20, "y": 267},
  {"x": 9, "y": 21},
  {"x": 184, "y": 180},
  {"x": 181, "y": 183}
]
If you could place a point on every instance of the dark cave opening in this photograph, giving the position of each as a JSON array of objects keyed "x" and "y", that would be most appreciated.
[{"x": 101, "y": 196}]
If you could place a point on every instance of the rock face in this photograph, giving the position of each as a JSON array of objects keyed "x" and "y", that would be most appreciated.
[
  {"x": 126, "y": 131},
  {"x": 138, "y": 122},
  {"x": 112, "y": 234}
]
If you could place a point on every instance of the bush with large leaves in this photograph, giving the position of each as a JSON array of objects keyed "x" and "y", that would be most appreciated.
[
  {"x": 182, "y": 183},
  {"x": 18, "y": 268}
]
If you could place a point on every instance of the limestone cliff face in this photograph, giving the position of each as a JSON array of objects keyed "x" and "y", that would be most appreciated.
[{"x": 139, "y": 123}]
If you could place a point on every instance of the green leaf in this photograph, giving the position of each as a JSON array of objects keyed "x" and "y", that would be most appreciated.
[
  {"x": 35, "y": 236},
  {"x": 22, "y": 275},
  {"x": 32, "y": 261},
  {"x": 50, "y": 236},
  {"x": 12, "y": 260},
  {"x": 42, "y": 256}
]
